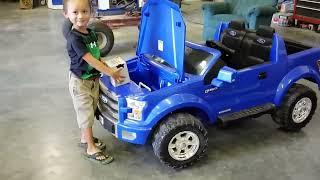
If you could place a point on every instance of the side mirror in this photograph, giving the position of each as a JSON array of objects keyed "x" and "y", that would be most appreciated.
[{"x": 225, "y": 75}]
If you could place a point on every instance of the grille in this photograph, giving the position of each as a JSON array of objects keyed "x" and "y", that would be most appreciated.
[{"x": 108, "y": 104}]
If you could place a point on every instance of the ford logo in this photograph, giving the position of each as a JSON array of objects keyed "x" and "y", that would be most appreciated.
[
  {"x": 233, "y": 33},
  {"x": 261, "y": 41},
  {"x": 104, "y": 99}
]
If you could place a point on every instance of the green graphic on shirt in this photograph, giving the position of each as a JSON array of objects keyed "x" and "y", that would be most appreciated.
[{"x": 91, "y": 43}]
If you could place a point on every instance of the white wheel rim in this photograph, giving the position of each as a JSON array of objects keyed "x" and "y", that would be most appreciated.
[
  {"x": 183, "y": 145},
  {"x": 102, "y": 40},
  {"x": 301, "y": 110}
]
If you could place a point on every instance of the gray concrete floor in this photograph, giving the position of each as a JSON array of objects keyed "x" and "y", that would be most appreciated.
[{"x": 39, "y": 135}]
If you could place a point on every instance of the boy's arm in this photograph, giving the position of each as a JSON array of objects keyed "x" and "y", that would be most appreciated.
[
  {"x": 100, "y": 66},
  {"x": 80, "y": 48}
]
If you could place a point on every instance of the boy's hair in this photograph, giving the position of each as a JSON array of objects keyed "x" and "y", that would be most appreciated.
[{"x": 65, "y": 5}]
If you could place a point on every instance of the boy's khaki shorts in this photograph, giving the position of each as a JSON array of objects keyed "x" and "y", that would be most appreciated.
[{"x": 85, "y": 94}]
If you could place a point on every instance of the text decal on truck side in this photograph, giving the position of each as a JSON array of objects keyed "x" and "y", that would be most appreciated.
[{"x": 210, "y": 90}]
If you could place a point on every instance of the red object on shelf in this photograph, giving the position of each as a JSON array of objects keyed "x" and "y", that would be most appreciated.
[{"x": 304, "y": 18}]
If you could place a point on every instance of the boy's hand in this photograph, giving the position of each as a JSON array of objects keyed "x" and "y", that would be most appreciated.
[
  {"x": 104, "y": 63},
  {"x": 116, "y": 75}
]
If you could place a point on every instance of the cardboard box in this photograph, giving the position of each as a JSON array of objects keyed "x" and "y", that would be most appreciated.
[
  {"x": 26, "y": 4},
  {"x": 117, "y": 63},
  {"x": 282, "y": 19},
  {"x": 287, "y": 7}
]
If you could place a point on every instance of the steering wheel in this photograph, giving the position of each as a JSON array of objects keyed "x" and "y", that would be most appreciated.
[{"x": 220, "y": 46}]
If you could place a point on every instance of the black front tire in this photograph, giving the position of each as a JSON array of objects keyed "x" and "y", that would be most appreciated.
[
  {"x": 284, "y": 114},
  {"x": 173, "y": 126},
  {"x": 105, "y": 37}
]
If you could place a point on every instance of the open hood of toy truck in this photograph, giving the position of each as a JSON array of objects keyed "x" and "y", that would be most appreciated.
[{"x": 162, "y": 33}]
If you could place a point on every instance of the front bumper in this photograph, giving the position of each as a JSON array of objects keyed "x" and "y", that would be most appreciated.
[{"x": 132, "y": 134}]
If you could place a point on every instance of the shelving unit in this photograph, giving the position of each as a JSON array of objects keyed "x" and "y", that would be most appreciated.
[{"x": 307, "y": 11}]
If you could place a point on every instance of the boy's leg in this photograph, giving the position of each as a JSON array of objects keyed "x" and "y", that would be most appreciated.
[
  {"x": 92, "y": 149},
  {"x": 88, "y": 135},
  {"x": 93, "y": 152},
  {"x": 82, "y": 96},
  {"x": 95, "y": 95}
]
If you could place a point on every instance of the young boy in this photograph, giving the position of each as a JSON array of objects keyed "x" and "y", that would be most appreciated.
[{"x": 85, "y": 68}]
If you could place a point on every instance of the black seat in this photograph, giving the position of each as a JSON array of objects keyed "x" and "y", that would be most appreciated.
[
  {"x": 230, "y": 43},
  {"x": 256, "y": 47},
  {"x": 242, "y": 48},
  {"x": 261, "y": 46},
  {"x": 233, "y": 36}
]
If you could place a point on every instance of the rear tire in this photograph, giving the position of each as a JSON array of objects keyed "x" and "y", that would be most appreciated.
[
  {"x": 180, "y": 140},
  {"x": 105, "y": 37},
  {"x": 297, "y": 108}
]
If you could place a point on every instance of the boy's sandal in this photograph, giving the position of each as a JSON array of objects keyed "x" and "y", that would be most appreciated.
[
  {"x": 99, "y": 144},
  {"x": 96, "y": 158}
]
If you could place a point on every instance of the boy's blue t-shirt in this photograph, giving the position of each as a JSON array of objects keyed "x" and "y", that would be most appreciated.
[{"x": 77, "y": 47}]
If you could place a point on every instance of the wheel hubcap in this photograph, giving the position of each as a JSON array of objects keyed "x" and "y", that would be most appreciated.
[
  {"x": 183, "y": 145},
  {"x": 301, "y": 110},
  {"x": 102, "y": 40}
]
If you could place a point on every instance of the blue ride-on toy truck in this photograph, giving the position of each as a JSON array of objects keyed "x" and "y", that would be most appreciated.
[{"x": 178, "y": 87}]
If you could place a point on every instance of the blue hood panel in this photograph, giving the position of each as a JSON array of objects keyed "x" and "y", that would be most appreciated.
[{"x": 162, "y": 33}]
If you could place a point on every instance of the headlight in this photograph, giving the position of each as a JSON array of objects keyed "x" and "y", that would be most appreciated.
[{"x": 137, "y": 108}]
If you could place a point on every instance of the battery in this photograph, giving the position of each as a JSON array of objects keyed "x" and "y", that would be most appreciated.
[{"x": 118, "y": 62}]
